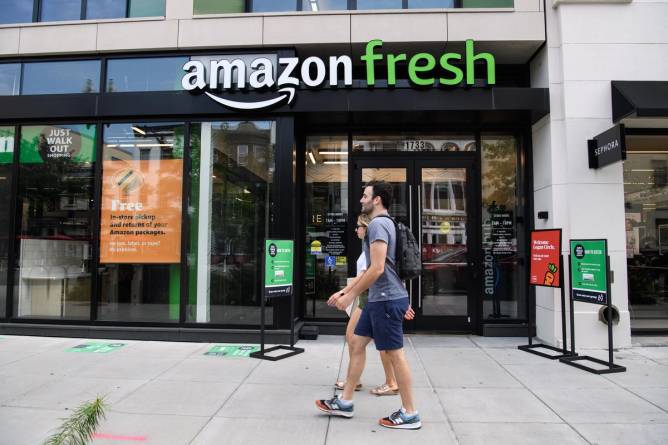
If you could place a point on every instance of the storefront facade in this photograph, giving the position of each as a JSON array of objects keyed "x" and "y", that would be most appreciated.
[
  {"x": 138, "y": 187},
  {"x": 602, "y": 72}
]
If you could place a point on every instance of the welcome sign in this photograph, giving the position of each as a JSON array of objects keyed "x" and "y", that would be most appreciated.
[{"x": 282, "y": 76}]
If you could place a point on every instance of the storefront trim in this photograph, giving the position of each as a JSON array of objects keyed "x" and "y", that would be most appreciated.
[{"x": 639, "y": 99}]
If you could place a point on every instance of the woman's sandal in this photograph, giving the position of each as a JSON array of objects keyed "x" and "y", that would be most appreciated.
[
  {"x": 384, "y": 390},
  {"x": 341, "y": 384}
]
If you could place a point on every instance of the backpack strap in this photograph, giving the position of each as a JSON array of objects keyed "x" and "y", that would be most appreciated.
[{"x": 396, "y": 240}]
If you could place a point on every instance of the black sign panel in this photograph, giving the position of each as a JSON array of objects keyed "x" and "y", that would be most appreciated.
[
  {"x": 503, "y": 233},
  {"x": 607, "y": 148}
]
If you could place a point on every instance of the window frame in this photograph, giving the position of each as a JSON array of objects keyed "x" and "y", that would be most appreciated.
[
  {"x": 351, "y": 6},
  {"x": 650, "y": 131},
  {"x": 105, "y": 74},
  {"x": 37, "y": 11},
  {"x": 101, "y": 74}
]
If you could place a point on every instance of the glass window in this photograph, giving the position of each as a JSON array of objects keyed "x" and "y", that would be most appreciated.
[
  {"x": 646, "y": 206},
  {"x": 80, "y": 76},
  {"x": 147, "y": 8},
  {"x": 326, "y": 205},
  {"x": 379, "y": 4},
  {"x": 55, "y": 208},
  {"x": 414, "y": 142},
  {"x": 502, "y": 229},
  {"x": 444, "y": 218},
  {"x": 140, "y": 222},
  {"x": 417, "y": 4},
  {"x": 6, "y": 159},
  {"x": 487, "y": 3},
  {"x": 16, "y": 11},
  {"x": 58, "y": 10},
  {"x": 324, "y": 5},
  {"x": 150, "y": 74},
  {"x": 230, "y": 209},
  {"x": 10, "y": 79},
  {"x": 274, "y": 5},
  {"x": 105, "y": 9},
  {"x": 218, "y": 6}
]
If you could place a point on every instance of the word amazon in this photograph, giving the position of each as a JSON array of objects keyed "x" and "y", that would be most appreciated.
[{"x": 229, "y": 73}]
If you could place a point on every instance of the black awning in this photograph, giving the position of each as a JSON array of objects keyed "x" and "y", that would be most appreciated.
[
  {"x": 532, "y": 101},
  {"x": 639, "y": 99}
]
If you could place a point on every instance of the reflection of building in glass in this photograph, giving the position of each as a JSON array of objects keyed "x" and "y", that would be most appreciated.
[{"x": 646, "y": 219}]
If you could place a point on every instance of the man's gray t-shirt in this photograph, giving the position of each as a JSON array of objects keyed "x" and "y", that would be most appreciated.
[{"x": 388, "y": 286}]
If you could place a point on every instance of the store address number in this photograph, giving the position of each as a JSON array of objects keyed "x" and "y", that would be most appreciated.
[{"x": 415, "y": 145}]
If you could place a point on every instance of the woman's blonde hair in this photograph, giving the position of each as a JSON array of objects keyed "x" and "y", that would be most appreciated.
[{"x": 363, "y": 220}]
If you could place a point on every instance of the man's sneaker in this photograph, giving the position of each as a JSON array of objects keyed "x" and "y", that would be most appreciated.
[
  {"x": 333, "y": 407},
  {"x": 401, "y": 420}
]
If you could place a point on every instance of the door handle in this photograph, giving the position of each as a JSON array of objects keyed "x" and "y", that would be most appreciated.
[
  {"x": 419, "y": 222},
  {"x": 410, "y": 224},
  {"x": 410, "y": 206}
]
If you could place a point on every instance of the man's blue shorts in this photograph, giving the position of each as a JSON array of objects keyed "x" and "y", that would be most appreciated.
[{"x": 384, "y": 322}]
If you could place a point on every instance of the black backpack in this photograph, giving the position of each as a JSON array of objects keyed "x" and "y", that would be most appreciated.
[{"x": 408, "y": 256}]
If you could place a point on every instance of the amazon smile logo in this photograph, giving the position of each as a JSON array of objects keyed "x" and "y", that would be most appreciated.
[{"x": 280, "y": 76}]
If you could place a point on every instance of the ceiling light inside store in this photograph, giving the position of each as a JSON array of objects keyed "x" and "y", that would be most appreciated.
[
  {"x": 335, "y": 162},
  {"x": 340, "y": 153},
  {"x": 310, "y": 155},
  {"x": 139, "y": 130},
  {"x": 154, "y": 145}
]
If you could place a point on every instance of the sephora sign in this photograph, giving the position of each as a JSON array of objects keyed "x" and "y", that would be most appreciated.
[{"x": 280, "y": 77}]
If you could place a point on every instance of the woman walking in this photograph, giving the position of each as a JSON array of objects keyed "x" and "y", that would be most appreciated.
[{"x": 390, "y": 387}]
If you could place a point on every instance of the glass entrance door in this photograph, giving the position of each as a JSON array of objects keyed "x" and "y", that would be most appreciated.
[
  {"x": 445, "y": 286},
  {"x": 433, "y": 197}
]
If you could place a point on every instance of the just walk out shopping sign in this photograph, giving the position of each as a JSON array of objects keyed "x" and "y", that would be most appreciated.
[
  {"x": 278, "y": 262},
  {"x": 589, "y": 271}
]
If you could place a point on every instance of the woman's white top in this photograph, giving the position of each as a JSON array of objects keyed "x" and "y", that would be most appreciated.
[{"x": 361, "y": 264}]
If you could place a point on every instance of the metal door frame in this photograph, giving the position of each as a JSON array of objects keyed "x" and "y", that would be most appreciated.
[{"x": 413, "y": 163}]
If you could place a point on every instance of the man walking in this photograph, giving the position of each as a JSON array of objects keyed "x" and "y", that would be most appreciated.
[{"x": 382, "y": 317}]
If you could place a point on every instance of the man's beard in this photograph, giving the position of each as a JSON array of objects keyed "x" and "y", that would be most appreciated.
[{"x": 367, "y": 210}]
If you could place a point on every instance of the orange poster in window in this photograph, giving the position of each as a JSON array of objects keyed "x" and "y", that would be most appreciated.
[{"x": 141, "y": 211}]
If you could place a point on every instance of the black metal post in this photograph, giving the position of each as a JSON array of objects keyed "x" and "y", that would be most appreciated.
[
  {"x": 609, "y": 310},
  {"x": 529, "y": 321},
  {"x": 564, "y": 346},
  {"x": 573, "y": 360},
  {"x": 292, "y": 306},
  {"x": 262, "y": 354},
  {"x": 572, "y": 305},
  {"x": 534, "y": 348},
  {"x": 262, "y": 298}
]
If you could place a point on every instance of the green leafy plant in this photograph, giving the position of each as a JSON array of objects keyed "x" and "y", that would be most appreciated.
[{"x": 79, "y": 428}]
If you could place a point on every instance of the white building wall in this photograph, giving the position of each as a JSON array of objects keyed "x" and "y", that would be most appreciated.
[
  {"x": 588, "y": 46},
  {"x": 512, "y": 34}
]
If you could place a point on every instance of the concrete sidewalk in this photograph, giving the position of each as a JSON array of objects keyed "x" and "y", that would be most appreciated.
[{"x": 470, "y": 390}]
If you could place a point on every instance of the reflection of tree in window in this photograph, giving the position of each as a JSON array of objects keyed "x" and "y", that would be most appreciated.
[
  {"x": 450, "y": 146},
  {"x": 88, "y": 86},
  {"x": 240, "y": 206},
  {"x": 499, "y": 172}
]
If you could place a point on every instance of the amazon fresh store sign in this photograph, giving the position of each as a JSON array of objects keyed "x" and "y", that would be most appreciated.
[{"x": 280, "y": 76}]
